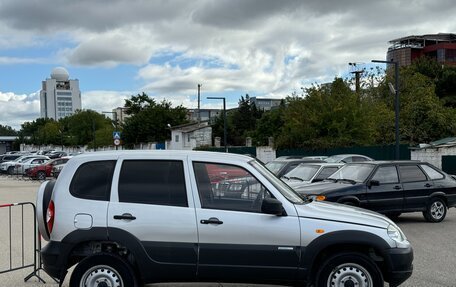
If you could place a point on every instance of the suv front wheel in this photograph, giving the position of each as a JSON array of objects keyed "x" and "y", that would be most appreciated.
[
  {"x": 349, "y": 269},
  {"x": 103, "y": 269}
]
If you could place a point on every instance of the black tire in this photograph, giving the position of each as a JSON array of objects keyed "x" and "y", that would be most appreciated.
[
  {"x": 394, "y": 215},
  {"x": 435, "y": 211},
  {"x": 103, "y": 266},
  {"x": 41, "y": 175},
  {"x": 10, "y": 170},
  {"x": 342, "y": 268}
]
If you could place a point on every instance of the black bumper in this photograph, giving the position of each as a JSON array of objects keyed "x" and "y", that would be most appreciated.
[
  {"x": 54, "y": 258},
  {"x": 399, "y": 265}
]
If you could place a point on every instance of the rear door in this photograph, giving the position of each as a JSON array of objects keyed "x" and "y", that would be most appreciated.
[
  {"x": 151, "y": 204},
  {"x": 417, "y": 186},
  {"x": 236, "y": 241},
  {"x": 388, "y": 196}
]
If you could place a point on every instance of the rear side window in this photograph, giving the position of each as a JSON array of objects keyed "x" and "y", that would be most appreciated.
[
  {"x": 386, "y": 174},
  {"x": 411, "y": 173},
  {"x": 92, "y": 180},
  {"x": 431, "y": 172},
  {"x": 156, "y": 182}
]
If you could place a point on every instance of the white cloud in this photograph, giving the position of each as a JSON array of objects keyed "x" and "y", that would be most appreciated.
[{"x": 17, "y": 109}]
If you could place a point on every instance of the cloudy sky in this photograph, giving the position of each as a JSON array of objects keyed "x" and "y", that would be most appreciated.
[{"x": 266, "y": 48}]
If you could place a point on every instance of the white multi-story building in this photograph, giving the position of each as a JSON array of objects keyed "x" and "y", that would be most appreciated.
[{"x": 59, "y": 96}]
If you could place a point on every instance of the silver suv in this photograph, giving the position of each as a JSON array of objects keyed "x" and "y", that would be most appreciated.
[{"x": 134, "y": 217}]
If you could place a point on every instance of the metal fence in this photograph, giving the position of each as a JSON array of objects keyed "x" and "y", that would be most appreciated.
[{"x": 20, "y": 241}]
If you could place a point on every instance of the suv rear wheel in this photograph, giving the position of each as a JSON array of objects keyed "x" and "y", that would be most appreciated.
[
  {"x": 103, "y": 269},
  {"x": 349, "y": 269}
]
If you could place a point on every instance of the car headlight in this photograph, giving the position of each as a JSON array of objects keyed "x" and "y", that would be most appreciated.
[{"x": 398, "y": 236}]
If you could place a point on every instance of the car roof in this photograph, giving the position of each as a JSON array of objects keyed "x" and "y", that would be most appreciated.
[
  {"x": 379, "y": 162},
  {"x": 323, "y": 163},
  {"x": 165, "y": 153}
]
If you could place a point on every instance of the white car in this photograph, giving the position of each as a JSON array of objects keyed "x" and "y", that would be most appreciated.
[
  {"x": 127, "y": 218},
  {"x": 307, "y": 173},
  {"x": 8, "y": 166},
  {"x": 21, "y": 167}
]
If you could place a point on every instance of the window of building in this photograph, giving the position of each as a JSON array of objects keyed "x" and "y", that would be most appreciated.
[
  {"x": 176, "y": 138},
  {"x": 92, "y": 180},
  {"x": 228, "y": 187},
  {"x": 156, "y": 182}
]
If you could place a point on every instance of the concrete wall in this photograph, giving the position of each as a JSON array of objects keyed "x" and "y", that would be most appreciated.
[{"x": 432, "y": 155}]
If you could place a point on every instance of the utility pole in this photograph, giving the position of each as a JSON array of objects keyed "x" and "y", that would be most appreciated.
[
  {"x": 199, "y": 113},
  {"x": 357, "y": 73}
]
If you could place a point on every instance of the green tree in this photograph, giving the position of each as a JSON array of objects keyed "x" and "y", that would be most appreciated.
[
  {"x": 7, "y": 131},
  {"x": 149, "y": 120},
  {"x": 329, "y": 116},
  {"x": 269, "y": 125}
]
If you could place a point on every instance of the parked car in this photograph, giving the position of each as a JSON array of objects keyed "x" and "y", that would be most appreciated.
[
  {"x": 283, "y": 165},
  {"x": 127, "y": 218},
  {"x": 57, "y": 154},
  {"x": 306, "y": 173},
  {"x": 346, "y": 158},
  {"x": 22, "y": 166},
  {"x": 8, "y": 166},
  {"x": 41, "y": 172},
  {"x": 9, "y": 157},
  {"x": 389, "y": 187}
]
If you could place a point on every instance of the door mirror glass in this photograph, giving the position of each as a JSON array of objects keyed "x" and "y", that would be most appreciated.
[
  {"x": 272, "y": 206},
  {"x": 373, "y": 182}
]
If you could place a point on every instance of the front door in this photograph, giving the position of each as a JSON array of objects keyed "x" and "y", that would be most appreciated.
[
  {"x": 388, "y": 196},
  {"x": 236, "y": 241}
]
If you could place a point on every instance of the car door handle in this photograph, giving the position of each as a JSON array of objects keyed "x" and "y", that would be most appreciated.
[
  {"x": 126, "y": 216},
  {"x": 427, "y": 185},
  {"x": 212, "y": 220},
  {"x": 397, "y": 187}
]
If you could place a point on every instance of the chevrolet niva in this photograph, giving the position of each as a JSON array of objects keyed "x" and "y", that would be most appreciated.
[{"x": 127, "y": 218}]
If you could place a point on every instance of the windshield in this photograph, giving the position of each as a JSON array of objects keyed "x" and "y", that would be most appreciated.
[
  {"x": 353, "y": 172},
  {"x": 284, "y": 189},
  {"x": 275, "y": 166},
  {"x": 303, "y": 172}
]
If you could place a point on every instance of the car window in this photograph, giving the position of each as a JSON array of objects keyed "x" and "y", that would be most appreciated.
[
  {"x": 237, "y": 190},
  {"x": 386, "y": 174},
  {"x": 325, "y": 172},
  {"x": 355, "y": 172},
  {"x": 290, "y": 167},
  {"x": 275, "y": 166},
  {"x": 432, "y": 172},
  {"x": 92, "y": 180},
  {"x": 359, "y": 159},
  {"x": 158, "y": 182},
  {"x": 304, "y": 172},
  {"x": 411, "y": 173}
]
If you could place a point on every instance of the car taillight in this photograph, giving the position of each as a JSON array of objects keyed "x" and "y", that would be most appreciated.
[{"x": 50, "y": 216}]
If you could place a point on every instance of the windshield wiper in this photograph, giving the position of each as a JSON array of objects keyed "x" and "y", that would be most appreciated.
[
  {"x": 295, "y": 177},
  {"x": 347, "y": 180},
  {"x": 331, "y": 179},
  {"x": 286, "y": 177}
]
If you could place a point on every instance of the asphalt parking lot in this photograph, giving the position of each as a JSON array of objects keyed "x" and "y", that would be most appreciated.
[{"x": 434, "y": 244}]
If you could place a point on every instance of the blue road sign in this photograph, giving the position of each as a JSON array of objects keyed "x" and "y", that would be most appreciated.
[{"x": 116, "y": 135}]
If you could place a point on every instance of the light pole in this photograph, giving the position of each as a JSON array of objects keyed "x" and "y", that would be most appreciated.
[
  {"x": 224, "y": 118},
  {"x": 114, "y": 119},
  {"x": 396, "y": 93}
]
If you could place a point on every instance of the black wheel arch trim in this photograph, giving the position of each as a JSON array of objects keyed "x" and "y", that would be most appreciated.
[
  {"x": 109, "y": 234},
  {"x": 349, "y": 198},
  {"x": 332, "y": 239},
  {"x": 439, "y": 194}
]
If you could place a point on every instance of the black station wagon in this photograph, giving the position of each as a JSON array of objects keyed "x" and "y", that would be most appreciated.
[{"x": 389, "y": 187}]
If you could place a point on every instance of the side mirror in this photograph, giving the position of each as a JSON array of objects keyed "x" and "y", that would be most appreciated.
[
  {"x": 272, "y": 206},
  {"x": 373, "y": 182}
]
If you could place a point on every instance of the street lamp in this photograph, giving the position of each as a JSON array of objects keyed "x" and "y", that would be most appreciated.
[
  {"x": 114, "y": 119},
  {"x": 224, "y": 118},
  {"x": 395, "y": 90}
]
